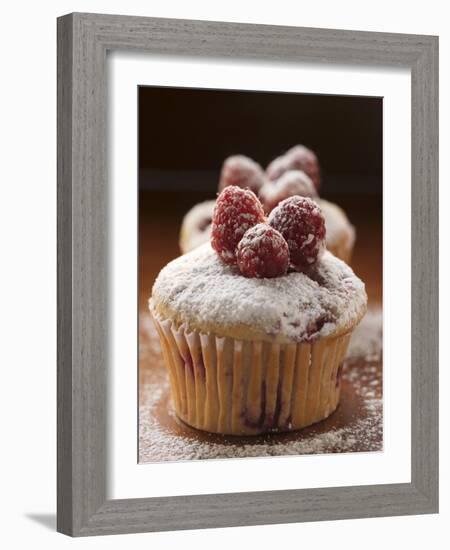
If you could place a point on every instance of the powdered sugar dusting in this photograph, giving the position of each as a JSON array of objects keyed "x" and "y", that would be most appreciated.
[
  {"x": 199, "y": 288},
  {"x": 158, "y": 444},
  {"x": 367, "y": 339}
]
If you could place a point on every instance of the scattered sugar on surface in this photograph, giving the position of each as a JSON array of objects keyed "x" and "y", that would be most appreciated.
[
  {"x": 367, "y": 339},
  {"x": 158, "y": 443},
  {"x": 148, "y": 337},
  {"x": 364, "y": 432}
]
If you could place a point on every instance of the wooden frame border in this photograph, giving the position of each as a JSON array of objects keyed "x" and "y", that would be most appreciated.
[{"x": 83, "y": 40}]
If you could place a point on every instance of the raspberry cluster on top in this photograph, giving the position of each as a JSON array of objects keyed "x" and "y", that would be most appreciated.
[{"x": 292, "y": 237}]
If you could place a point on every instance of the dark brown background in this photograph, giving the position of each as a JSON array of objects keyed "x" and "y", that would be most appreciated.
[{"x": 185, "y": 134}]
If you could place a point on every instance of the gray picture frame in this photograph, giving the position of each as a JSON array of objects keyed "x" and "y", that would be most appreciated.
[{"x": 83, "y": 42}]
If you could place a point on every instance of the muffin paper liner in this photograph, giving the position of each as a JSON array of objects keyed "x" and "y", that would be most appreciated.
[{"x": 239, "y": 387}]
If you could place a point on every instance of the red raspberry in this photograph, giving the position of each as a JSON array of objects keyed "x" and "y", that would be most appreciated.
[
  {"x": 293, "y": 182},
  {"x": 297, "y": 158},
  {"x": 262, "y": 252},
  {"x": 243, "y": 172},
  {"x": 301, "y": 222},
  {"x": 236, "y": 211}
]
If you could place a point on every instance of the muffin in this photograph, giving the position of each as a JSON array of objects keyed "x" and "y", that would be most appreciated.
[
  {"x": 254, "y": 331},
  {"x": 196, "y": 226},
  {"x": 340, "y": 235}
]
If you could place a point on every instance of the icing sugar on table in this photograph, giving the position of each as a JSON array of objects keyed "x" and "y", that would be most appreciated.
[{"x": 356, "y": 426}]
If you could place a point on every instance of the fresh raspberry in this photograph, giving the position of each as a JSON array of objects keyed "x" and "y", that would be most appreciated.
[
  {"x": 293, "y": 182},
  {"x": 301, "y": 222},
  {"x": 297, "y": 158},
  {"x": 243, "y": 172},
  {"x": 236, "y": 211},
  {"x": 262, "y": 252}
]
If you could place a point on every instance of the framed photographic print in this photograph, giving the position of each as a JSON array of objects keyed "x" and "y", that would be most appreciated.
[{"x": 247, "y": 274}]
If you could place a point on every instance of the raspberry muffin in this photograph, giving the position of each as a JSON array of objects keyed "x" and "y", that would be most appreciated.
[{"x": 254, "y": 326}]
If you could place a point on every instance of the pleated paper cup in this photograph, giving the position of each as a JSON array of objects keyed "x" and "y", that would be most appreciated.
[{"x": 240, "y": 387}]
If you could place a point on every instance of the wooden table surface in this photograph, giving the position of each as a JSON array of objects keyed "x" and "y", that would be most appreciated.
[{"x": 356, "y": 426}]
